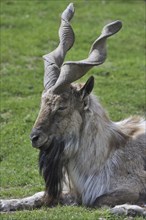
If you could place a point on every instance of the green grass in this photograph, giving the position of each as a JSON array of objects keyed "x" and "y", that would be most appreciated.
[
  {"x": 28, "y": 31},
  {"x": 64, "y": 213}
]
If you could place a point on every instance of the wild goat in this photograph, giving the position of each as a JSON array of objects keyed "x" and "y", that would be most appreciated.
[{"x": 104, "y": 162}]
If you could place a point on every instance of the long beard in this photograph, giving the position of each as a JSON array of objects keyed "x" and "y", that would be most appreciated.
[{"x": 51, "y": 165}]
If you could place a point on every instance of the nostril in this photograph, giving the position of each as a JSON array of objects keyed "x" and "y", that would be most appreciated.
[{"x": 35, "y": 138}]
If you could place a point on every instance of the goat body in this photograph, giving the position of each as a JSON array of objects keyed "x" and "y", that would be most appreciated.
[{"x": 105, "y": 161}]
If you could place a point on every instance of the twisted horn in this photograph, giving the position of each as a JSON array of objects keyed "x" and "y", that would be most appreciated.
[
  {"x": 73, "y": 70},
  {"x": 54, "y": 60}
]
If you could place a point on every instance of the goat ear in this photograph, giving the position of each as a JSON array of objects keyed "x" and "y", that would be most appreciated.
[{"x": 87, "y": 88}]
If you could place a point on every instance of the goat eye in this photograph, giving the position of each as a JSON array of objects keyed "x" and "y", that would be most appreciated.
[{"x": 61, "y": 108}]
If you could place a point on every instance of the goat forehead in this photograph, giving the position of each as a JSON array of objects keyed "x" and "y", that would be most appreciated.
[{"x": 54, "y": 99}]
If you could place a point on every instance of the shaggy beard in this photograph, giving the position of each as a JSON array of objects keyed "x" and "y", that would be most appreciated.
[{"x": 51, "y": 165}]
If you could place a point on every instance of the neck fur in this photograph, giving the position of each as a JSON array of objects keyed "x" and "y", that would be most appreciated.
[{"x": 99, "y": 137}]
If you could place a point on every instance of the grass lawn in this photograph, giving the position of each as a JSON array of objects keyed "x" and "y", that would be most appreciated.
[{"x": 28, "y": 31}]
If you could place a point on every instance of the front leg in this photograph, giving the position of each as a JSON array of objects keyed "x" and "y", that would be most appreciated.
[
  {"x": 65, "y": 198},
  {"x": 28, "y": 203},
  {"x": 36, "y": 201}
]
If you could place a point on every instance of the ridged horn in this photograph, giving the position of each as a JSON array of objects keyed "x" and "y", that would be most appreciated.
[
  {"x": 54, "y": 60},
  {"x": 73, "y": 70}
]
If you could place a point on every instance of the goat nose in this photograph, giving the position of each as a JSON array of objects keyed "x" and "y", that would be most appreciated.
[{"x": 34, "y": 137}]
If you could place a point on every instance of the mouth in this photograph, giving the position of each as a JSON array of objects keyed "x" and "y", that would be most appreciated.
[
  {"x": 45, "y": 145},
  {"x": 42, "y": 144}
]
